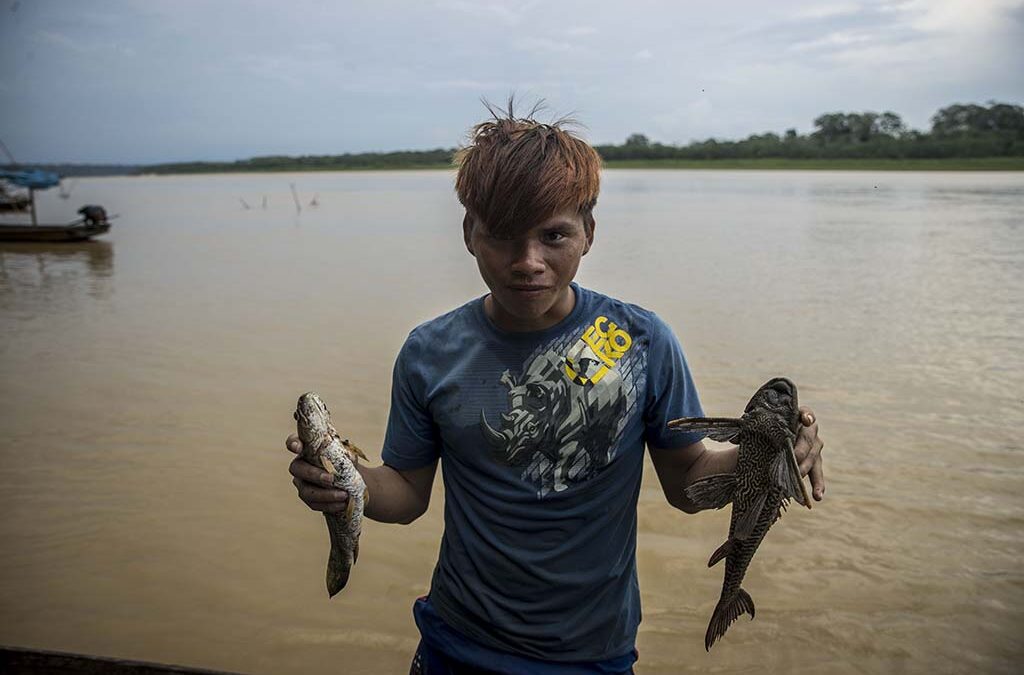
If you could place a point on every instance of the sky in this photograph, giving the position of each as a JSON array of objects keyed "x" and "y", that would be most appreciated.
[{"x": 145, "y": 81}]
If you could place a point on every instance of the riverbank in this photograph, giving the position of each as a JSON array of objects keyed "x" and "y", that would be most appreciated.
[
  {"x": 764, "y": 164},
  {"x": 776, "y": 164}
]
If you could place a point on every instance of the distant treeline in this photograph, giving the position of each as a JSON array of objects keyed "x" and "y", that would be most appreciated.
[
  {"x": 959, "y": 131},
  {"x": 405, "y": 159},
  {"x": 82, "y": 169}
]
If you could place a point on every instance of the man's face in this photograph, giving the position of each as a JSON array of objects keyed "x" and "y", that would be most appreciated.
[{"x": 529, "y": 274}]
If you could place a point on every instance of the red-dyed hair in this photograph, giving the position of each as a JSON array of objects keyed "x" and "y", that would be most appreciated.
[{"x": 517, "y": 172}]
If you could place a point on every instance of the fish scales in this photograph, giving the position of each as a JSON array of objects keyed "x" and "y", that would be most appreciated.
[
  {"x": 322, "y": 446},
  {"x": 767, "y": 476}
]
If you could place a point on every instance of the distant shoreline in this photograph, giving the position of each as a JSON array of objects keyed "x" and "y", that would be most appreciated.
[
  {"x": 772, "y": 163},
  {"x": 1005, "y": 163},
  {"x": 765, "y": 164}
]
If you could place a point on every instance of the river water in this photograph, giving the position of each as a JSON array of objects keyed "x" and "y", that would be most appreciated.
[{"x": 148, "y": 380}]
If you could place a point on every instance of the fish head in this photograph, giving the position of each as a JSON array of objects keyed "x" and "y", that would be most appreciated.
[
  {"x": 313, "y": 420},
  {"x": 778, "y": 398},
  {"x": 776, "y": 407}
]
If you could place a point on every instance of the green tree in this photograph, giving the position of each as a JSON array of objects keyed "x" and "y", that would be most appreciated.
[
  {"x": 832, "y": 127},
  {"x": 890, "y": 124},
  {"x": 637, "y": 141}
]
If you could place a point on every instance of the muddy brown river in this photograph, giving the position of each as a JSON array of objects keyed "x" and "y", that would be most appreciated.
[{"x": 147, "y": 381}]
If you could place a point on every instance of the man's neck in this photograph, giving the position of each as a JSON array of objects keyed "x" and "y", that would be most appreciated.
[{"x": 514, "y": 324}]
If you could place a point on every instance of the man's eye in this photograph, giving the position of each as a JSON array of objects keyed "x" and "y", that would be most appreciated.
[{"x": 554, "y": 237}]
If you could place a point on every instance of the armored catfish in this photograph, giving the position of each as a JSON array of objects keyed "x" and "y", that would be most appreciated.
[
  {"x": 323, "y": 446},
  {"x": 767, "y": 476}
]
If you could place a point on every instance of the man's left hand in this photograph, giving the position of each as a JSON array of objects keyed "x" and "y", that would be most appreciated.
[{"x": 808, "y": 452}]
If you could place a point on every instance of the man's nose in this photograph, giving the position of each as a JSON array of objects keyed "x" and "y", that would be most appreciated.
[{"x": 529, "y": 258}]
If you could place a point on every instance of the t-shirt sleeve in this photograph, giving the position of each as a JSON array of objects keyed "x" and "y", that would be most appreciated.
[
  {"x": 671, "y": 393},
  {"x": 411, "y": 440}
]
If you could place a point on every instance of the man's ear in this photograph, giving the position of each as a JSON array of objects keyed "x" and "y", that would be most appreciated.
[
  {"x": 589, "y": 224},
  {"x": 467, "y": 233}
]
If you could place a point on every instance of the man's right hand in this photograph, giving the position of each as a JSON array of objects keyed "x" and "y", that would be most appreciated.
[{"x": 313, "y": 483}]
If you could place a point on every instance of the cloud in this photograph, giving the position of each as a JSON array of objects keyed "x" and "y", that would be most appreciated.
[
  {"x": 643, "y": 55},
  {"x": 471, "y": 85},
  {"x": 542, "y": 44},
  {"x": 55, "y": 39},
  {"x": 822, "y": 11},
  {"x": 836, "y": 40},
  {"x": 685, "y": 123},
  {"x": 486, "y": 10}
]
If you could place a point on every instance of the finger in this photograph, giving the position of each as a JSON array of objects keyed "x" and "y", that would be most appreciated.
[
  {"x": 314, "y": 494},
  {"x": 308, "y": 473},
  {"x": 812, "y": 457},
  {"x": 293, "y": 444},
  {"x": 817, "y": 481},
  {"x": 805, "y": 439},
  {"x": 807, "y": 416}
]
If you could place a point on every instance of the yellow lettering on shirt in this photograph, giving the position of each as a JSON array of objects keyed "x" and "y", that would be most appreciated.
[{"x": 604, "y": 342}]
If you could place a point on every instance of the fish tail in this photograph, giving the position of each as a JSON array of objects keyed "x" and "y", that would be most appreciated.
[
  {"x": 728, "y": 610},
  {"x": 338, "y": 567}
]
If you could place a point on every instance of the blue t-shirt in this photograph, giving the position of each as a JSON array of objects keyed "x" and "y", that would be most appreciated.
[{"x": 541, "y": 438}]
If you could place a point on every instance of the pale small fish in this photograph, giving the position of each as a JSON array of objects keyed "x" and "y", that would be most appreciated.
[
  {"x": 323, "y": 446},
  {"x": 767, "y": 476}
]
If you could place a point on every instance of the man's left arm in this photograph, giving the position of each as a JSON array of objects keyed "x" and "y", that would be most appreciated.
[{"x": 679, "y": 468}]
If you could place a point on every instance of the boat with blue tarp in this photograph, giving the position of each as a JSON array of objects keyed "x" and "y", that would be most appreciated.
[{"x": 93, "y": 219}]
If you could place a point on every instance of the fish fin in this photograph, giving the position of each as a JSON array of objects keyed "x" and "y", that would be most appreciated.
[
  {"x": 712, "y": 492},
  {"x": 352, "y": 447},
  {"x": 366, "y": 497},
  {"x": 721, "y": 429},
  {"x": 727, "y": 611},
  {"x": 328, "y": 465},
  {"x": 721, "y": 552},
  {"x": 350, "y": 507},
  {"x": 785, "y": 473},
  {"x": 748, "y": 519},
  {"x": 795, "y": 467}
]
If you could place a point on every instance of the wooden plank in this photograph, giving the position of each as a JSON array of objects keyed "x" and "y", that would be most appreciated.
[{"x": 20, "y": 661}]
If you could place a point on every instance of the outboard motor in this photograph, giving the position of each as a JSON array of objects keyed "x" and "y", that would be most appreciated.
[{"x": 93, "y": 214}]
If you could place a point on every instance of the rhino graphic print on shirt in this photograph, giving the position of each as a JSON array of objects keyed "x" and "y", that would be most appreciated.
[{"x": 567, "y": 409}]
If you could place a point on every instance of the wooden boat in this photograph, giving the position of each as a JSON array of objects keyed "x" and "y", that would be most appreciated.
[
  {"x": 93, "y": 219},
  {"x": 78, "y": 230}
]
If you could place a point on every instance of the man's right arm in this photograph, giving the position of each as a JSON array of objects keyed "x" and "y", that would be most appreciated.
[{"x": 393, "y": 496}]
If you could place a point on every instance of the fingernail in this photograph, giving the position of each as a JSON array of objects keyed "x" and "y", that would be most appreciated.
[{"x": 326, "y": 479}]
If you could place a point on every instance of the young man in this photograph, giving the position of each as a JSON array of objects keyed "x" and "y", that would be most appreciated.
[{"x": 538, "y": 399}]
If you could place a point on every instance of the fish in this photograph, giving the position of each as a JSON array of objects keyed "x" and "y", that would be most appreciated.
[
  {"x": 323, "y": 446},
  {"x": 767, "y": 477}
]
